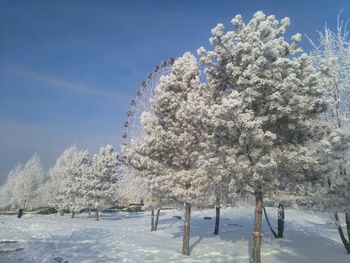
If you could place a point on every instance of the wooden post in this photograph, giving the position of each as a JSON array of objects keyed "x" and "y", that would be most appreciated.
[
  {"x": 257, "y": 235},
  {"x": 20, "y": 213},
  {"x": 73, "y": 214},
  {"x": 217, "y": 210},
  {"x": 280, "y": 221},
  {"x": 157, "y": 220},
  {"x": 152, "y": 220},
  {"x": 186, "y": 237},
  {"x": 97, "y": 215}
]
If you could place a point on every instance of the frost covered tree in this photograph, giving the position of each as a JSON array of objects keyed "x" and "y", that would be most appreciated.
[
  {"x": 23, "y": 183},
  {"x": 59, "y": 177},
  {"x": 168, "y": 152},
  {"x": 216, "y": 161},
  {"x": 75, "y": 190},
  {"x": 134, "y": 187},
  {"x": 331, "y": 55},
  {"x": 101, "y": 184},
  {"x": 44, "y": 194},
  {"x": 68, "y": 178},
  {"x": 33, "y": 178},
  {"x": 268, "y": 101},
  {"x": 4, "y": 202},
  {"x": 11, "y": 186}
]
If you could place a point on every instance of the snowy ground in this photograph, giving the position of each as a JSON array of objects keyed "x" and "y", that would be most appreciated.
[{"x": 124, "y": 237}]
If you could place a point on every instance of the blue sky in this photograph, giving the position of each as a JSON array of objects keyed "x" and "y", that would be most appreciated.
[{"x": 68, "y": 69}]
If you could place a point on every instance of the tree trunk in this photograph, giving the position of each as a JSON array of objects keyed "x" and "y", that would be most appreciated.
[
  {"x": 345, "y": 241},
  {"x": 97, "y": 215},
  {"x": 152, "y": 220},
  {"x": 62, "y": 212},
  {"x": 20, "y": 213},
  {"x": 217, "y": 210},
  {"x": 73, "y": 214},
  {"x": 347, "y": 220},
  {"x": 186, "y": 237},
  {"x": 280, "y": 221},
  {"x": 157, "y": 220},
  {"x": 257, "y": 235},
  {"x": 89, "y": 212}
]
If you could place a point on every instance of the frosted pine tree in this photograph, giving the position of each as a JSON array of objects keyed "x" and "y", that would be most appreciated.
[
  {"x": 59, "y": 177},
  {"x": 68, "y": 177},
  {"x": 215, "y": 155},
  {"x": 102, "y": 183},
  {"x": 168, "y": 152},
  {"x": 75, "y": 191},
  {"x": 268, "y": 99}
]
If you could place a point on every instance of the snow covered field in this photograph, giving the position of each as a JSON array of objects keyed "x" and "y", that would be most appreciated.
[{"x": 124, "y": 237}]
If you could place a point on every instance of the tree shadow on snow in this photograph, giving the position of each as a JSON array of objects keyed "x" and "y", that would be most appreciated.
[
  {"x": 299, "y": 244},
  {"x": 202, "y": 237}
]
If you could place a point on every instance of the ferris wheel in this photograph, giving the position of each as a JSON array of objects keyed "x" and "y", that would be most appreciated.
[{"x": 141, "y": 103}]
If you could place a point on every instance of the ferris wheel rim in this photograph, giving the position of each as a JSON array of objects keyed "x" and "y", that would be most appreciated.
[{"x": 146, "y": 88}]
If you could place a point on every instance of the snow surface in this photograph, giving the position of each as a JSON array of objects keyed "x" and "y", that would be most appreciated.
[{"x": 126, "y": 237}]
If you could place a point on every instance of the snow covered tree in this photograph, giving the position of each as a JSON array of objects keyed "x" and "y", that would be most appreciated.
[
  {"x": 11, "y": 186},
  {"x": 4, "y": 201},
  {"x": 167, "y": 154},
  {"x": 33, "y": 177},
  {"x": 216, "y": 161},
  {"x": 23, "y": 182},
  {"x": 45, "y": 192},
  {"x": 268, "y": 100},
  {"x": 132, "y": 186},
  {"x": 75, "y": 190},
  {"x": 331, "y": 55},
  {"x": 59, "y": 177},
  {"x": 101, "y": 184},
  {"x": 68, "y": 180}
]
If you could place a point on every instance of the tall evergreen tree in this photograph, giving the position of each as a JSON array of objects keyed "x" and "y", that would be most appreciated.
[
  {"x": 167, "y": 154},
  {"x": 268, "y": 100},
  {"x": 101, "y": 185}
]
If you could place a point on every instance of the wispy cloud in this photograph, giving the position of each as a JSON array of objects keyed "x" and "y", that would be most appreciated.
[{"x": 57, "y": 83}]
